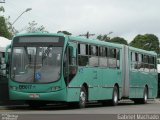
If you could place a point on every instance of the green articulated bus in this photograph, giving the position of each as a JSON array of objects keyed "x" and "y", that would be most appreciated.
[{"x": 49, "y": 68}]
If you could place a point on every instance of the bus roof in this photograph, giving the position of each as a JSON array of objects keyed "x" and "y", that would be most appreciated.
[
  {"x": 92, "y": 41},
  {"x": 142, "y": 51},
  {"x": 95, "y": 41},
  {"x": 39, "y": 34}
]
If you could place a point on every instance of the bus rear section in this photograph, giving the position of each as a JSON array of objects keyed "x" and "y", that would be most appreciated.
[{"x": 143, "y": 79}]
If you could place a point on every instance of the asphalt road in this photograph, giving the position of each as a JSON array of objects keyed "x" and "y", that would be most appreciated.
[{"x": 92, "y": 111}]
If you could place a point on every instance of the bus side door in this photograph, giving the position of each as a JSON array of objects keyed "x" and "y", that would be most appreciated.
[{"x": 70, "y": 63}]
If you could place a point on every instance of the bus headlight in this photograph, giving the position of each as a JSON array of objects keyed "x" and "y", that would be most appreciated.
[
  {"x": 13, "y": 87},
  {"x": 55, "y": 88}
]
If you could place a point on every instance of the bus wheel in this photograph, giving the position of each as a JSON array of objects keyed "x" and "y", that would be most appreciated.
[
  {"x": 145, "y": 96},
  {"x": 82, "y": 98},
  {"x": 144, "y": 99},
  {"x": 115, "y": 96}
]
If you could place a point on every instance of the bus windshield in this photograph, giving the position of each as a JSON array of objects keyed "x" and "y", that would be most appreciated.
[{"x": 36, "y": 64}]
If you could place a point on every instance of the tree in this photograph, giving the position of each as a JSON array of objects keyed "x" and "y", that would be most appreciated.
[
  {"x": 114, "y": 40},
  {"x": 103, "y": 37},
  {"x": 65, "y": 32},
  {"x": 6, "y": 29},
  {"x": 32, "y": 28},
  {"x": 119, "y": 40},
  {"x": 147, "y": 42},
  {"x": 2, "y": 9}
]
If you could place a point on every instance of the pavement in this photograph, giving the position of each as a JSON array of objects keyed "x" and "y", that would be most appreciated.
[{"x": 124, "y": 101}]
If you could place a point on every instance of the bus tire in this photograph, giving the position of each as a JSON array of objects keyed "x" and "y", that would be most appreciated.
[
  {"x": 82, "y": 97},
  {"x": 144, "y": 99},
  {"x": 145, "y": 96},
  {"x": 115, "y": 96}
]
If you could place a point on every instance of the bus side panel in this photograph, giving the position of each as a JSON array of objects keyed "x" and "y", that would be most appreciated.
[
  {"x": 85, "y": 75},
  {"x": 141, "y": 75},
  {"x": 154, "y": 83},
  {"x": 132, "y": 85},
  {"x": 111, "y": 77},
  {"x": 73, "y": 94},
  {"x": 100, "y": 82}
]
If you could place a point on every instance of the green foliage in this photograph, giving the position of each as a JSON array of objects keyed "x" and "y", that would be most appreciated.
[
  {"x": 147, "y": 42},
  {"x": 33, "y": 27},
  {"x": 103, "y": 37},
  {"x": 65, "y": 32},
  {"x": 11, "y": 29},
  {"x": 114, "y": 40},
  {"x": 4, "y": 31},
  {"x": 119, "y": 40},
  {"x": 2, "y": 9}
]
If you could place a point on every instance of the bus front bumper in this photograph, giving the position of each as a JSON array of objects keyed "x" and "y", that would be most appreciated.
[{"x": 59, "y": 95}]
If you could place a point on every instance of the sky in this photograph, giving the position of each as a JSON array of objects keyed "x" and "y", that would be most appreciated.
[{"x": 125, "y": 18}]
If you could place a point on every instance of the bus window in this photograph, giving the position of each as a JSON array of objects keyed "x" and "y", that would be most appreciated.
[
  {"x": 112, "y": 53},
  {"x": 72, "y": 63},
  {"x": 136, "y": 61},
  {"x": 155, "y": 64},
  {"x": 133, "y": 61},
  {"x": 118, "y": 58},
  {"x": 82, "y": 54},
  {"x": 102, "y": 57},
  {"x": 93, "y": 50},
  {"x": 87, "y": 52},
  {"x": 112, "y": 58},
  {"x": 101, "y": 51},
  {"x": 151, "y": 63},
  {"x": 146, "y": 63},
  {"x": 93, "y": 58},
  {"x": 140, "y": 62},
  {"x": 136, "y": 57},
  {"x": 140, "y": 58},
  {"x": 82, "y": 49},
  {"x": 133, "y": 56},
  {"x": 106, "y": 52}
]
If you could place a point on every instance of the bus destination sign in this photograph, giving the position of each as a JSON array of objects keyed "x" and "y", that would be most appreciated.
[{"x": 38, "y": 39}]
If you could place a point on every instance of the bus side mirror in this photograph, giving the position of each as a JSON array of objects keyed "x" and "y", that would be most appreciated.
[
  {"x": 8, "y": 50},
  {"x": 72, "y": 51},
  {"x": 72, "y": 55}
]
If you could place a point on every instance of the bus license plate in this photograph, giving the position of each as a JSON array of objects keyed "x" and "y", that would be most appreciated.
[{"x": 34, "y": 95}]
